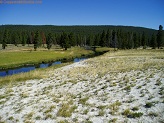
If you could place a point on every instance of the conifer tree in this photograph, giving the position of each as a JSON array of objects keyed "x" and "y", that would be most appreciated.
[
  {"x": 97, "y": 39},
  {"x": 72, "y": 39},
  {"x": 103, "y": 39},
  {"x": 43, "y": 38},
  {"x": 114, "y": 39},
  {"x": 36, "y": 40},
  {"x": 23, "y": 39},
  {"x": 5, "y": 38},
  {"x": 49, "y": 41},
  {"x": 153, "y": 42},
  {"x": 108, "y": 38},
  {"x": 159, "y": 37},
  {"x": 143, "y": 40},
  {"x": 135, "y": 39}
]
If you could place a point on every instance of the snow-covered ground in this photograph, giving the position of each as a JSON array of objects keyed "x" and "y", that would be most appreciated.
[{"x": 96, "y": 90}]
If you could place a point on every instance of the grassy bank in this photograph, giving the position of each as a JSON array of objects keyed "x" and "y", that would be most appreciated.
[
  {"x": 35, "y": 74},
  {"x": 19, "y": 58},
  {"x": 12, "y": 59}
]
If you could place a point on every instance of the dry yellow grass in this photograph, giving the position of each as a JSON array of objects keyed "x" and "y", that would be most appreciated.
[{"x": 119, "y": 61}]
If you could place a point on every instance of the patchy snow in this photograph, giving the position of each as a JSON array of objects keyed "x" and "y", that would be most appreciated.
[{"x": 96, "y": 97}]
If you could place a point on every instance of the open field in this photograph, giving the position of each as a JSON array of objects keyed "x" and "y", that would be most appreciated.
[{"x": 121, "y": 86}]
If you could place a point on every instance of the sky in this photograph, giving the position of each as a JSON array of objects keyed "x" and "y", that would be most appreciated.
[{"x": 141, "y": 13}]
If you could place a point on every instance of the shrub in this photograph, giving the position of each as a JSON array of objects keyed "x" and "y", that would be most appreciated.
[
  {"x": 135, "y": 115},
  {"x": 126, "y": 112},
  {"x": 148, "y": 105}
]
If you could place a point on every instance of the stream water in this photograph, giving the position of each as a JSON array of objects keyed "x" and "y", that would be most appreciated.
[{"x": 8, "y": 72}]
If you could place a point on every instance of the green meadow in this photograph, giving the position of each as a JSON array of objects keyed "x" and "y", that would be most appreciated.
[{"x": 11, "y": 59}]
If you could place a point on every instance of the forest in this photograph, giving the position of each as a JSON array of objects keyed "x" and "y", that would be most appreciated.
[{"x": 121, "y": 37}]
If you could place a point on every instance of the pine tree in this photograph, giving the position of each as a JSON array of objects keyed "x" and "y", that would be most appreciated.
[
  {"x": 49, "y": 41},
  {"x": 43, "y": 38},
  {"x": 108, "y": 38},
  {"x": 36, "y": 40},
  {"x": 97, "y": 39},
  {"x": 143, "y": 40},
  {"x": 23, "y": 39},
  {"x": 5, "y": 38},
  {"x": 114, "y": 39},
  {"x": 135, "y": 39},
  {"x": 14, "y": 38},
  {"x": 153, "y": 42},
  {"x": 159, "y": 37},
  {"x": 103, "y": 39},
  {"x": 64, "y": 41},
  {"x": 90, "y": 40},
  {"x": 72, "y": 39},
  {"x": 28, "y": 39}
]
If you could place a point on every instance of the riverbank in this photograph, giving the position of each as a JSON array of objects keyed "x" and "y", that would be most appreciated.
[
  {"x": 122, "y": 86},
  {"x": 15, "y": 59},
  {"x": 40, "y": 73}
]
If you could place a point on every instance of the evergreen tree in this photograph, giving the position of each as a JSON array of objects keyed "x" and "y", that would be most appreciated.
[
  {"x": 28, "y": 39},
  {"x": 119, "y": 38},
  {"x": 97, "y": 39},
  {"x": 43, "y": 38},
  {"x": 143, "y": 40},
  {"x": 103, "y": 39},
  {"x": 5, "y": 38},
  {"x": 49, "y": 41},
  {"x": 72, "y": 39},
  {"x": 65, "y": 41},
  {"x": 23, "y": 39},
  {"x": 36, "y": 40},
  {"x": 32, "y": 36},
  {"x": 159, "y": 37},
  {"x": 130, "y": 41},
  {"x": 19, "y": 38},
  {"x": 108, "y": 35},
  {"x": 14, "y": 38},
  {"x": 114, "y": 39},
  {"x": 135, "y": 39},
  {"x": 153, "y": 42},
  {"x": 90, "y": 40}
]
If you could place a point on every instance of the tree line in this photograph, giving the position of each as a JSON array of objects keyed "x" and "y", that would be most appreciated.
[{"x": 117, "y": 38}]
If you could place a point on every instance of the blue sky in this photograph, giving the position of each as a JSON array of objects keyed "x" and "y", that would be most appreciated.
[{"x": 143, "y": 13}]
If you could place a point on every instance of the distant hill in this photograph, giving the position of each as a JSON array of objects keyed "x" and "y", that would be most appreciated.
[{"x": 80, "y": 29}]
